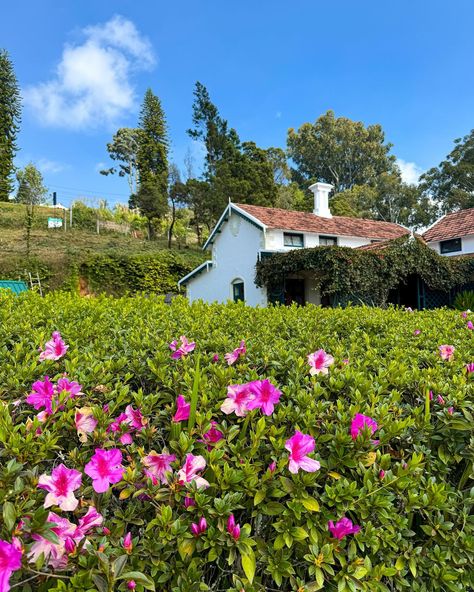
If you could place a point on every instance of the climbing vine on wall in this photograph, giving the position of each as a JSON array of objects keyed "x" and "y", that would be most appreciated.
[{"x": 367, "y": 274}]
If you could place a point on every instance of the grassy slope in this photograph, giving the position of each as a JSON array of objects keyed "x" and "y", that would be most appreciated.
[{"x": 53, "y": 251}]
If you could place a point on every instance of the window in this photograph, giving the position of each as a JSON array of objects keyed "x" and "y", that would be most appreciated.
[
  {"x": 327, "y": 241},
  {"x": 292, "y": 239},
  {"x": 451, "y": 246},
  {"x": 238, "y": 290}
]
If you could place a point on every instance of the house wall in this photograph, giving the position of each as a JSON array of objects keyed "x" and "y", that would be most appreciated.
[
  {"x": 467, "y": 243},
  {"x": 274, "y": 240},
  {"x": 234, "y": 255}
]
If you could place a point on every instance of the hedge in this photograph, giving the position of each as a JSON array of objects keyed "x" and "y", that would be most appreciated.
[{"x": 257, "y": 526}]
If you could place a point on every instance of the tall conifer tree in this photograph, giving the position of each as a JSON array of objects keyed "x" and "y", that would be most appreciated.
[{"x": 10, "y": 116}]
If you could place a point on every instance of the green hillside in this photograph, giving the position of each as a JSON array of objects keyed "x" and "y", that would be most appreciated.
[{"x": 66, "y": 259}]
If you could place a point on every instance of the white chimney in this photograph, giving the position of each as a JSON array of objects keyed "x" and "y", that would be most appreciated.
[{"x": 321, "y": 193}]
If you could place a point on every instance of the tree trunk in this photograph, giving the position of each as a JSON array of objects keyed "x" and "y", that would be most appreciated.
[{"x": 173, "y": 218}]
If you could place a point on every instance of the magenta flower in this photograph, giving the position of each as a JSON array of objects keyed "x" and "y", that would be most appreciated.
[
  {"x": 54, "y": 553},
  {"x": 54, "y": 349},
  {"x": 131, "y": 584},
  {"x": 10, "y": 561},
  {"x": 342, "y": 528},
  {"x": 416, "y": 332},
  {"x": 215, "y": 358},
  {"x": 319, "y": 362},
  {"x": 189, "y": 472},
  {"x": 359, "y": 423},
  {"x": 61, "y": 485},
  {"x": 85, "y": 422},
  {"x": 42, "y": 395},
  {"x": 440, "y": 400},
  {"x": 446, "y": 351},
  {"x": 470, "y": 367},
  {"x": 90, "y": 520},
  {"x": 381, "y": 474},
  {"x": 105, "y": 468},
  {"x": 72, "y": 387},
  {"x": 135, "y": 418},
  {"x": 450, "y": 410},
  {"x": 431, "y": 395},
  {"x": 158, "y": 466},
  {"x": 232, "y": 357},
  {"x": 127, "y": 543},
  {"x": 470, "y": 325},
  {"x": 464, "y": 314},
  {"x": 299, "y": 446},
  {"x": 238, "y": 398},
  {"x": 272, "y": 467},
  {"x": 212, "y": 435},
  {"x": 183, "y": 350},
  {"x": 232, "y": 528},
  {"x": 265, "y": 396},
  {"x": 199, "y": 528},
  {"x": 182, "y": 410},
  {"x": 189, "y": 502}
]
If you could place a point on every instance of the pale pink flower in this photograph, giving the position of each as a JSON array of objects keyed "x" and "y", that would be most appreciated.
[
  {"x": 299, "y": 446},
  {"x": 127, "y": 543},
  {"x": 54, "y": 349},
  {"x": 182, "y": 410},
  {"x": 85, "y": 422},
  {"x": 446, "y": 351},
  {"x": 360, "y": 422},
  {"x": 54, "y": 553},
  {"x": 184, "y": 349},
  {"x": 232, "y": 357},
  {"x": 464, "y": 314},
  {"x": 319, "y": 362},
  {"x": 342, "y": 528},
  {"x": 440, "y": 400},
  {"x": 105, "y": 468},
  {"x": 238, "y": 398},
  {"x": 416, "y": 331},
  {"x": 450, "y": 410},
  {"x": 232, "y": 528},
  {"x": 60, "y": 486},
  {"x": 198, "y": 528},
  {"x": 42, "y": 395},
  {"x": 72, "y": 387},
  {"x": 212, "y": 435},
  {"x": 470, "y": 325},
  {"x": 90, "y": 520},
  {"x": 135, "y": 418},
  {"x": 265, "y": 396},
  {"x": 10, "y": 561},
  {"x": 189, "y": 472},
  {"x": 158, "y": 466}
]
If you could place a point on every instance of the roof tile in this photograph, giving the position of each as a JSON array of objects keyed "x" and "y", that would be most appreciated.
[{"x": 454, "y": 225}]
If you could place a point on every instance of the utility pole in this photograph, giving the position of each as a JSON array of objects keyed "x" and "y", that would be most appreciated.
[{"x": 70, "y": 216}]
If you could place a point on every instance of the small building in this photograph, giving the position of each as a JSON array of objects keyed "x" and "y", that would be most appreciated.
[
  {"x": 246, "y": 234},
  {"x": 453, "y": 234}
]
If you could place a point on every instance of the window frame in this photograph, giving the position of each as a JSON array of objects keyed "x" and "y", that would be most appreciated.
[
  {"x": 442, "y": 246},
  {"x": 293, "y": 235},
  {"x": 326, "y": 237},
  {"x": 238, "y": 284}
]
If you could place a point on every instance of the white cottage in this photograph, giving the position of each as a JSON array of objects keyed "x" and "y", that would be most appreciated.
[
  {"x": 453, "y": 234},
  {"x": 245, "y": 233}
]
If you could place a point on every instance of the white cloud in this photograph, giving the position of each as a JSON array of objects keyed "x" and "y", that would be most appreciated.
[
  {"x": 92, "y": 85},
  {"x": 51, "y": 166},
  {"x": 410, "y": 171}
]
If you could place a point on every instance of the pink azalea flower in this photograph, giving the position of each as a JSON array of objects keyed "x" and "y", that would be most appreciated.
[
  {"x": 464, "y": 314},
  {"x": 182, "y": 410},
  {"x": 90, "y": 520},
  {"x": 10, "y": 561},
  {"x": 183, "y": 350},
  {"x": 416, "y": 332},
  {"x": 342, "y": 528},
  {"x": 470, "y": 325},
  {"x": 105, "y": 468},
  {"x": 85, "y": 422},
  {"x": 127, "y": 543},
  {"x": 54, "y": 349},
  {"x": 232, "y": 528},
  {"x": 232, "y": 357},
  {"x": 381, "y": 474},
  {"x": 299, "y": 446},
  {"x": 359, "y": 423},
  {"x": 199, "y": 528},
  {"x": 135, "y": 418},
  {"x": 215, "y": 358},
  {"x": 450, "y": 410},
  {"x": 446, "y": 351},
  {"x": 272, "y": 467},
  {"x": 319, "y": 362},
  {"x": 61, "y": 485},
  {"x": 54, "y": 553},
  {"x": 238, "y": 398},
  {"x": 131, "y": 584},
  {"x": 345, "y": 361},
  {"x": 189, "y": 473},
  {"x": 431, "y": 395},
  {"x": 73, "y": 387},
  {"x": 440, "y": 400},
  {"x": 212, "y": 435},
  {"x": 116, "y": 426},
  {"x": 470, "y": 367},
  {"x": 158, "y": 466},
  {"x": 42, "y": 395},
  {"x": 265, "y": 396}
]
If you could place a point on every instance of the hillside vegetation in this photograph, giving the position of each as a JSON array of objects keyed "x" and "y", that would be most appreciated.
[{"x": 66, "y": 259}]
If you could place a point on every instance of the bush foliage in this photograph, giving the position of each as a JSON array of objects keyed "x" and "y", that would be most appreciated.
[{"x": 410, "y": 493}]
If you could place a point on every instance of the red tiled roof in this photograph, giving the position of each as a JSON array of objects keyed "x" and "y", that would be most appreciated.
[
  {"x": 337, "y": 225},
  {"x": 454, "y": 225}
]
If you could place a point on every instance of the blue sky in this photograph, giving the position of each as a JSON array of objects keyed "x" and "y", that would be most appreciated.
[{"x": 84, "y": 66}]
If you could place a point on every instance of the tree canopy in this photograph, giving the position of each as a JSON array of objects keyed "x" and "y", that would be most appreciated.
[
  {"x": 124, "y": 150},
  {"x": 10, "y": 116}
]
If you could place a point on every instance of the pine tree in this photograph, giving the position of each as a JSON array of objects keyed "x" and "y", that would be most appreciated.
[
  {"x": 152, "y": 162},
  {"x": 10, "y": 116}
]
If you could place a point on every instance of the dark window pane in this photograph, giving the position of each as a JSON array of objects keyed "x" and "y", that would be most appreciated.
[
  {"x": 291, "y": 239},
  {"x": 238, "y": 291},
  {"x": 451, "y": 246},
  {"x": 327, "y": 241}
]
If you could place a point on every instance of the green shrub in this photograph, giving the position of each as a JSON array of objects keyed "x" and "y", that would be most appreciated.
[
  {"x": 464, "y": 300},
  {"x": 415, "y": 517}
]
